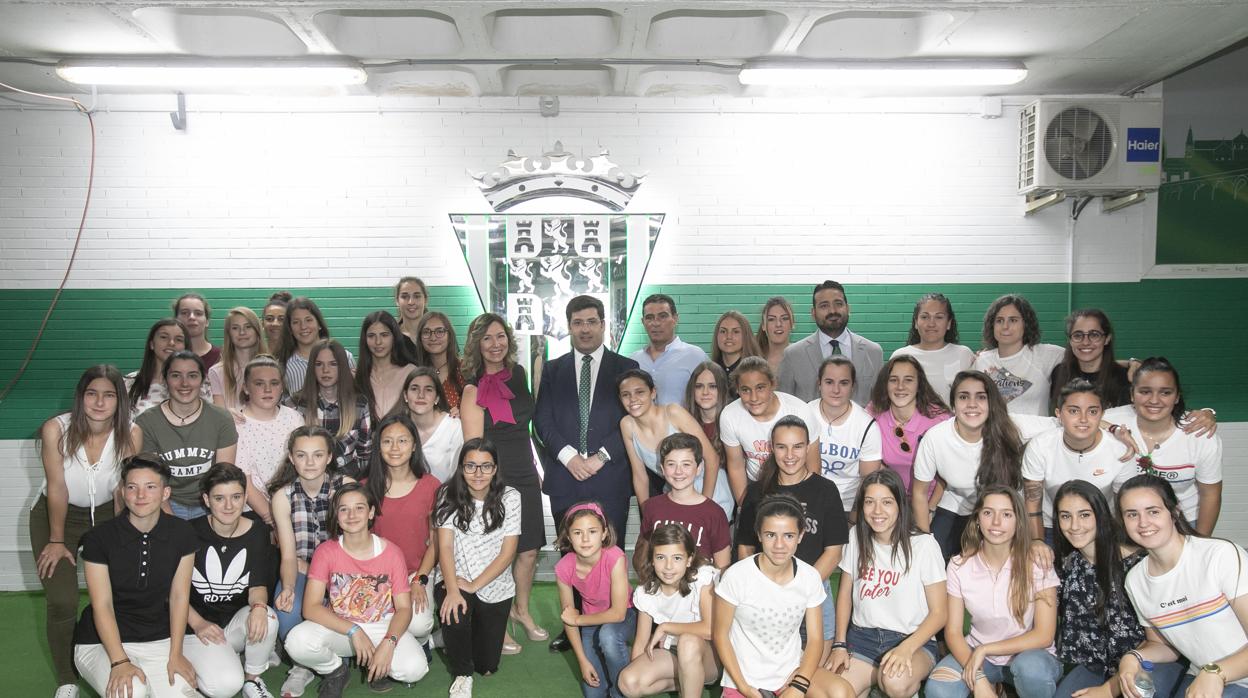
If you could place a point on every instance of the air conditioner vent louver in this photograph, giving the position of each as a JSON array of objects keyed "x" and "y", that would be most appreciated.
[
  {"x": 1027, "y": 147},
  {"x": 1078, "y": 143}
]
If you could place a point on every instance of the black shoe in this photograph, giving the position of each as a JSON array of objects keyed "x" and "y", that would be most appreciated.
[
  {"x": 335, "y": 683},
  {"x": 560, "y": 643},
  {"x": 381, "y": 684}
]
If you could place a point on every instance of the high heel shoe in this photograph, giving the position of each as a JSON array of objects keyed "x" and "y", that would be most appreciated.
[
  {"x": 535, "y": 634},
  {"x": 510, "y": 646}
]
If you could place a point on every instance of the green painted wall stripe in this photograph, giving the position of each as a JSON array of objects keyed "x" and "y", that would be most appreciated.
[{"x": 1185, "y": 320}]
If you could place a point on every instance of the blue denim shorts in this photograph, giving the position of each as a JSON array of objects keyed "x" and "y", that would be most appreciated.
[{"x": 869, "y": 644}]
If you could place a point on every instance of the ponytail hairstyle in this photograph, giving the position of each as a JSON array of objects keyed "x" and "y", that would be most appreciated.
[
  {"x": 1108, "y": 377},
  {"x": 1022, "y": 594},
  {"x": 147, "y": 370},
  {"x": 671, "y": 534},
  {"x": 1161, "y": 363},
  {"x": 927, "y": 401},
  {"x": 903, "y": 529},
  {"x": 76, "y": 433},
  {"x": 782, "y": 505},
  {"x": 1001, "y": 457},
  {"x": 455, "y": 504},
  {"x": 951, "y": 334},
  {"x": 1110, "y": 571},
  {"x": 260, "y": 361},
  {"x": 1165, "y": 491},
  {"x": 769, "y": 472},
  {"x": 184, "y": 355},
  {"x": 349, "y": 406}
]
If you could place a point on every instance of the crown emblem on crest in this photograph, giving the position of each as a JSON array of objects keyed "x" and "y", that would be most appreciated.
[{"x": 558, "y": 173}]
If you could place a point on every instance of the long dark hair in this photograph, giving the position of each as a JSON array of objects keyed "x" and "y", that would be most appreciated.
[
  {"x": 286, "y": 472},
  {"x": 1165, "y": 491},
  {"x": 1161, "y": 363},
  {"x": 927, "y": 401},
  {"x": 769, "y": 472},
  {"x": 1031, "y": 324},
  {"x": 452, "y": 345},
  {"x": 378, "y": 482},
  {"x": 289, "y": 345},
  {"x": 671, "y": 534},
  {"x": 1110, "y": 571},
  {"x": 903, "y": 529},
  {"x": 455, "y": 503},
  {"x": 1001, "y": 456},
  {"x": 441, "y": 403},
  {"x": 399, "y": 356},
  {"x": 147, "y": 370},
  {"x": 75, "y": 434},
  {"x": 349, "y": 406},
  {"x": 1109, "y": 377},
  {"x": 951, "y": 334}
]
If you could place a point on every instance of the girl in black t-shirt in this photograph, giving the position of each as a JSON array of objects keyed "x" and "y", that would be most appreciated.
[{"x": 138, "y": 569}]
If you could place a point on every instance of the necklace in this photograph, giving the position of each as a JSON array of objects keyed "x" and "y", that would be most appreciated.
[
  {"x": 838, "y": 417},
  {"x": 438, "y": 369},
  {"x": 900, "y": 422},
  {"x": 1080, "y": 451},
  {"x": 168, "y": 404},
  {"x": 213, "y": 523}
]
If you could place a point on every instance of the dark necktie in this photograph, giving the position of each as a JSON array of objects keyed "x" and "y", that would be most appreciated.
[{"x": 585, "y": 394}]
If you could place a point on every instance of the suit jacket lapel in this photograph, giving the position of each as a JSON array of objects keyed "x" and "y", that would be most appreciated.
[
  {"x": 814, "y": 352},
  {"x": 608, "y": 361}
]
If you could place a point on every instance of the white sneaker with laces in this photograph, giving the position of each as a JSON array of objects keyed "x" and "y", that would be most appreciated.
[
  {"x": 255, "y": 688},
  {"x": 297, "y": 682},
  {"x": 68, "y": 690},
  {"x": 462, "y": 687}
]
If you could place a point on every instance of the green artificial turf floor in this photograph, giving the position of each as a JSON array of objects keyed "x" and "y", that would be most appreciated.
[{"x": 27, "y": 667}]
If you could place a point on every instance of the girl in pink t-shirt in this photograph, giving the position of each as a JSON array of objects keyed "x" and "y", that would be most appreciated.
[
  {"x": 595, "y": 567},
  {"x": 904, "y": 406},
  {"x": 1012, "y": 600}
]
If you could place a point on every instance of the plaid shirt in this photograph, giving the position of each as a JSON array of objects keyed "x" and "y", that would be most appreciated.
[
  {"x": 307, "y": 515},
  {"x": 351, "y": 451}
]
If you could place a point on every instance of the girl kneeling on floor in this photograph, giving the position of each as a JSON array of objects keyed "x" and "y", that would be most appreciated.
[
  {"x": 1012, "y": 599},
  {"x": 892, "y": 589},
  {"x": 593, "y": 566},
  {"x": 370, "y": 605},
  {"x": 672, "y": 651},
  {"x": 761, "y": 602}
]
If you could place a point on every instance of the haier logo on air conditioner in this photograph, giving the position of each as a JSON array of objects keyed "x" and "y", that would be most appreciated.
[{"x": 1143, "y": 145}]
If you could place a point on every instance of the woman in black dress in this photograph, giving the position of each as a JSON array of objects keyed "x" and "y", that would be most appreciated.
[{"x": 498, "y": 405}]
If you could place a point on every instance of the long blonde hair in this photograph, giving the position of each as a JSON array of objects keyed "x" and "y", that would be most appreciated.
[
  {"x": 229, "y": 362},
  {"x": 1022, "y": 594}
]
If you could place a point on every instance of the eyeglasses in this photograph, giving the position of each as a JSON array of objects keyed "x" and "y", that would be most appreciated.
[
  {"x": 901, "y": 434},
  {"x": 1094, "y": 335},
  {"x": 484, "y": 468},
  {"x": 434, "y": 332}
]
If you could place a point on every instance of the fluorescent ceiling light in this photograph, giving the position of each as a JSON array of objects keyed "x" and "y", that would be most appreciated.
[
  {"x": 192, "y": 73},
  {"x": 904, "y": 73}
]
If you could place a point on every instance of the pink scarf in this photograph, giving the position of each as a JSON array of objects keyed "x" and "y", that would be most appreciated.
[{"x": 494, "y": 396}]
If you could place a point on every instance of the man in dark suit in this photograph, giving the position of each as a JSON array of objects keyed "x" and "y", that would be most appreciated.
[
  {"x": 577, "y": 419},
  {"x": 799, "y": 368}
]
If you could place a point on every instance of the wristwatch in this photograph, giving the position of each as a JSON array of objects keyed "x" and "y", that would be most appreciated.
[
  {"x": 394, "y": 639},
  {"x": 603, "y": 455},
  {"x": 423, "y": 579},
  {"x": 1214, "y": 668}
]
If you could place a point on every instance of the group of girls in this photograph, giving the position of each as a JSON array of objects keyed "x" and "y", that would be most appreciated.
[{"x": 450, "y": 492}]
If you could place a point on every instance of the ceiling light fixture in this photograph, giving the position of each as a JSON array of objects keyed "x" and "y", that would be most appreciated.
[
  {"x": 189, "y": 73},
  {"x": 899, "y": 73}
]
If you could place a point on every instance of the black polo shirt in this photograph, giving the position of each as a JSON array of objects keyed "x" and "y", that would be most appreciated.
[
  {"x": 141, "y": 567},
  {"x": 226, "y": 569}
]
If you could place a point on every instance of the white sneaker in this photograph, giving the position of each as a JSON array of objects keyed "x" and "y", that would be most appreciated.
[
  {"x": 274, "y": 660},
  {"x": 462, "y": 687},
  {"x": 255, "y": 688},
  {"x": 297, "y": 682},
  {"x": 69, "y": 690}
]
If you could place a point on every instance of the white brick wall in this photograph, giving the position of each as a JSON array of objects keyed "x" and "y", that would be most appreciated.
[{"x": 354, "y": 192}]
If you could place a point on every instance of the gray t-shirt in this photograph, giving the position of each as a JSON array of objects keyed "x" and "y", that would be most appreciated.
[{"x": 189, "y": 450}]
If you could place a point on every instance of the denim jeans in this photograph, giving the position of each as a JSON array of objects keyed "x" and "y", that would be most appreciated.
[
  {"x": 1165, "y": 678},
  {"x": 608, "y": 646},
  {"x": 869, "y": 644},
  {"x": 1231, "y": 690},
  {"x": 829, "y": 612},
  {"x": 1033, "y": 673},
  {"x": 289, "y": 619},
  {"x": 187, "y": 512}
]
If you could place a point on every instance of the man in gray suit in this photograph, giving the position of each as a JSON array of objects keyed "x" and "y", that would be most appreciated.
[{"x": 800, "y": 367}]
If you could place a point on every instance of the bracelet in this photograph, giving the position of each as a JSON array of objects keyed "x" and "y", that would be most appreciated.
[
  {"x": 798, "y": 678},
  {"x": 60, "y": 542},
  {"x": 840, "y": 646},
  {"x": 265, "y": 606},
  {"x": 394, "y": 639},
  {"x": 119, "y": 662},
  {"x": 1138, "y": 657},
  {"x": 798, "y": 687},
  {"x": 354, "y": 629},
  {"x": 981, "y": 675},
  {"x": 1113, "y": 428}
]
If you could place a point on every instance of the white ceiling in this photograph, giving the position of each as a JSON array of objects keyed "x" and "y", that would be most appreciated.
[{"x": 640, "y": 48}]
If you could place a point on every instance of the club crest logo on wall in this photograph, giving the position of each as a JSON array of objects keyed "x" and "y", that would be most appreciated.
[{"x": 527, "y": 266}]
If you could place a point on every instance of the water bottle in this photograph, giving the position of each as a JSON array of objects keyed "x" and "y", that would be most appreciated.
[{"x": 1144, "y": 680}]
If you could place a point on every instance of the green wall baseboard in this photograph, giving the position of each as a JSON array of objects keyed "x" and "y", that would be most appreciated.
[{"x": 1192, "y": 322}]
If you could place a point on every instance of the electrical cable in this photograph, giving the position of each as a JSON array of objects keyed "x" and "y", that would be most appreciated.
[{"x": 82, "y": 223}]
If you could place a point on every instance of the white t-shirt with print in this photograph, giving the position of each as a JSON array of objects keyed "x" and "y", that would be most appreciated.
[
  {"x": 764, "y": 632},
  {"x": 676, "y": 608},
  {"x": 1024, "y": 377},
  {"x": 940, "y": 366},
  {"x": 943, "y": 452},
  {"x": 1048, "y": 460},
  {"x": 841, "y": 447},
  {"x": 737, "y": 427},
  {"x": 1182, "y": 459},
  {"x": 1190, "y": 605},
  {"x": 475, "y": 549},
  {"x": 888, "y": 596}
]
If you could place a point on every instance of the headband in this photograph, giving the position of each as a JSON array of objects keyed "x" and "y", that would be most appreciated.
[{"x": 586, "y": 506}]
